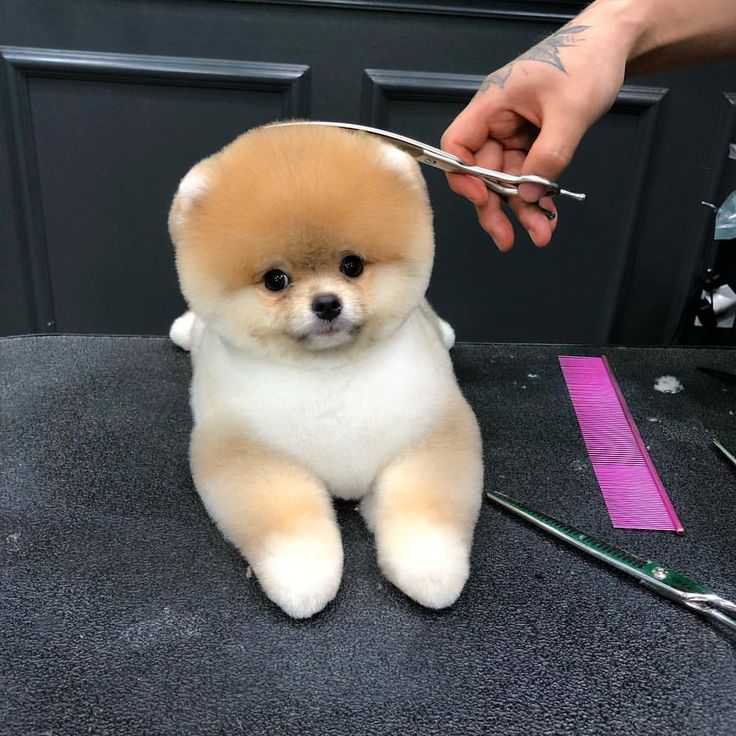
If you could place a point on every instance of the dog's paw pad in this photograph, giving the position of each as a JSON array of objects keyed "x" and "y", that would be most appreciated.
[{"x": 301, "y": 575}]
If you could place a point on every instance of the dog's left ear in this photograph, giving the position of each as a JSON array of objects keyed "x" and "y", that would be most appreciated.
[
  {"x": 193, "y": 185},
  {"x": 191, "y": 189}
]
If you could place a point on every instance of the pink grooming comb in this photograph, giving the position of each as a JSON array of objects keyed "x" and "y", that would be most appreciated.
[{"x": 632, "y": 490}]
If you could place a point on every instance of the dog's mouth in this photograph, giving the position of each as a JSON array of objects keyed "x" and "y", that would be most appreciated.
[{"x": 324, "y": 333}]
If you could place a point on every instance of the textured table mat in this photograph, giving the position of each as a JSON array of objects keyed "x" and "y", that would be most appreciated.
[{"x": 122, "y": 609}]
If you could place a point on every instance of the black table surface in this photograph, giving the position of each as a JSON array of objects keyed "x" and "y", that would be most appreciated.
[{"x": 123, "y": 610}]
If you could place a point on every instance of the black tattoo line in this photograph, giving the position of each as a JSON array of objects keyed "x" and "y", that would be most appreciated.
[{"x": 546, "y": 51}]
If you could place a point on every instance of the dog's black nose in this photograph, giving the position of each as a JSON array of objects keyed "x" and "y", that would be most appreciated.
[{"x": 326, "y": 306}]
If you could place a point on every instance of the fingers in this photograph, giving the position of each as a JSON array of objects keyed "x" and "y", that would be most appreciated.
[
  {"x": 473, "y": 138},
  {"x": 539, "y": 226},
  {"x": 469, "y": 140},
  {"x": 551, "y": 153},
  {"x": 467, "y": 135},
  {"x": 468, "y": 187},
  {"x": 494, "y": 221}
]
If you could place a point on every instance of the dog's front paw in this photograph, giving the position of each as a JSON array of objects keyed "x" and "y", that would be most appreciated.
[
  {"x": 429, "y": 563},
  {"x": 301, "y": 574}
]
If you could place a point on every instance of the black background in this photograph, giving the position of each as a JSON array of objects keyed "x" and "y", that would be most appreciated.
[{"x": 106, "y": 104}]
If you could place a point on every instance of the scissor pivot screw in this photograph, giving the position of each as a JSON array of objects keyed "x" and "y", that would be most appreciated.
[{"x": 659, "y": 572}]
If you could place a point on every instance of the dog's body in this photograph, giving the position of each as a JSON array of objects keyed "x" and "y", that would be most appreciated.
[
  {"x": 344, "y": 420},
  {"x": 293, "y": 405}
]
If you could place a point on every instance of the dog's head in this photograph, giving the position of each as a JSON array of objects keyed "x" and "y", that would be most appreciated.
[{"x": 303, "y": 238}]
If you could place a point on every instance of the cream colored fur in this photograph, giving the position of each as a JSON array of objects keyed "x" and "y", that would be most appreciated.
[{"x": 287, "y": 417}]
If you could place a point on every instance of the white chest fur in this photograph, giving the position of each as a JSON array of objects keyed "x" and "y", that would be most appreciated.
[{"x": 345, "y": 422}]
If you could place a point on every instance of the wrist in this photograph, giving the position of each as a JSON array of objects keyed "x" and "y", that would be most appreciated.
[{"x": 628, "y": 23}]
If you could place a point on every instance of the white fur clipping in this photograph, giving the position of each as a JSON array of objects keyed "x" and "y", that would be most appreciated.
[{"x": 668, "y": 385}]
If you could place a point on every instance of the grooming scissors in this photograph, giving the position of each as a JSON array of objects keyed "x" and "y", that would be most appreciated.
[
  {"x": 668, "y": 583},
  {"x": 503, "y": 184}
]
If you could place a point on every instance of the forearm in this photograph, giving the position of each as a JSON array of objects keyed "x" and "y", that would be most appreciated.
[{"x": 658, "y": 34}]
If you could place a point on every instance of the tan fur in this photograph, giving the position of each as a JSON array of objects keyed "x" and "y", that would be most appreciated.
[
  {"x": 274, "y": 512},
  {"x": 424, "y": 509},
  {"x": 259, "y": 211},
  {"x": 428, "y": 482},
  {"x": 328, "y": 205},
  {"x": 253, "y": 492}
]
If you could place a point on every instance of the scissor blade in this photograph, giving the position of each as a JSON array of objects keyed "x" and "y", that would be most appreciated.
[
  {"x": 420, "y": 151},
  {"x": 497, "y": 181}
]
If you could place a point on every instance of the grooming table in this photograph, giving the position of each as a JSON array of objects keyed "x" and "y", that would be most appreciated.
[{"x": 123, "y": 610}]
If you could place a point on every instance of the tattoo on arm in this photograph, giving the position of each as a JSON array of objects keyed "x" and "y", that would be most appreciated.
[
  {"x": 546, "y": 51},
  {"x": 497, "y": 78}
]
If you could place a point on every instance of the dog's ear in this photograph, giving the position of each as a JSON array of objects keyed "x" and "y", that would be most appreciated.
[
  {"x": 401, "y": 162},
  {"x": 193, "y": 185},
  {"x": 191, "y": 189}
]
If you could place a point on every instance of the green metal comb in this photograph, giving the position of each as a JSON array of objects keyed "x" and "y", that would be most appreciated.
[{"x": 653, "y": 575}]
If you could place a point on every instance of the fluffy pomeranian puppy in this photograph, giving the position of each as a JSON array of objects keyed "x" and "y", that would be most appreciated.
[{"x": 320, "y": 371}]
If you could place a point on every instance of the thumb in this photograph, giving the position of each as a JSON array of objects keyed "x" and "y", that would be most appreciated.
[{"x": 551, "y": 153}]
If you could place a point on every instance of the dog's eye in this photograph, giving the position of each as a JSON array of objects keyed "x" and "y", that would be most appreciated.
[
  {"x": 276, "y": 280},
  {"x": 351, "y": 266}
]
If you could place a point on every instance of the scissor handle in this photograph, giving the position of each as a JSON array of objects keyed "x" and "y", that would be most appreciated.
[
  {"x": 713, "y": 600},
  {"x": 499, "y": 188},
  {"x": 508, "y": 184},
  {"x": 713, "y": 613},
  {"x": 693, "y": 595}
]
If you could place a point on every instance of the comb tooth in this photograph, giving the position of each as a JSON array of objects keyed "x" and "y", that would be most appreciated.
[{"x": 631, "y": 488}]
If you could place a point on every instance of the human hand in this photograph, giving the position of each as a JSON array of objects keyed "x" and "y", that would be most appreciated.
[{"x": 528, "y": 118}]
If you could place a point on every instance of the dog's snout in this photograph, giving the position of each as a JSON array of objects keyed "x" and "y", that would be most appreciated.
[{"x": 326, "y": 306}]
